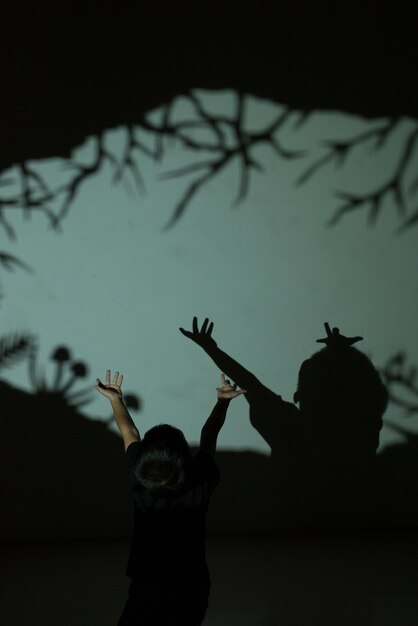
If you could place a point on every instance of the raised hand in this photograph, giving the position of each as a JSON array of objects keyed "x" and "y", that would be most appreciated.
[
  {"x": 227, "y": 391},
  {"x": 202, "y": 337},
  {"x": 111, "y": 390}
]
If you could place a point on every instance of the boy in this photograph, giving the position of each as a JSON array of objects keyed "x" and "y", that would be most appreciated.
[{"x": 167, "y": 563}]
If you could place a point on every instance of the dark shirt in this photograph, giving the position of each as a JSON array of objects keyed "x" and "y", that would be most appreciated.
[{"x": 169, "y": 536}]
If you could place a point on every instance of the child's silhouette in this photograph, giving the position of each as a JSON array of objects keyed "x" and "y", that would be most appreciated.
[
  {"x": 167, "y": 564},
  {"x": 323, "y": 451}
]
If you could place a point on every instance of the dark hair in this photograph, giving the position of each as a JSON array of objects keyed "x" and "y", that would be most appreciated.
[{"x": 164, "y": 460}]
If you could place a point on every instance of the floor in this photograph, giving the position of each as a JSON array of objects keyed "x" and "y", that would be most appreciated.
[{"x": 259, "y": 580}]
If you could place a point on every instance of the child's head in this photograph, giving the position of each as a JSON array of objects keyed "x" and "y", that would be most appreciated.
[{"x": 164, "y": 461}]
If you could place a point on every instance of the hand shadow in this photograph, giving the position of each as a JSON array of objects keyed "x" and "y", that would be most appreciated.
[{"x": 322, "y": 472}]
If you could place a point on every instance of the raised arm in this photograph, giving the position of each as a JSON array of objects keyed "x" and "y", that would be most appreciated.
[
  {"x": 216, "y": 419},
  {"x": 113, "y": 392},
  {"x": 269, "y": 414},
  {"x": 224, "y": 362}
]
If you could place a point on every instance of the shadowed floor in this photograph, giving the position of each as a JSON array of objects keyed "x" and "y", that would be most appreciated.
[{"x": 259, "y": 580}]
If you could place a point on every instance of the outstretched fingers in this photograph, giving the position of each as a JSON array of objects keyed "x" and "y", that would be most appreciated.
[
  {"x": 116, "y": 381},
  {"x": 206, "y": 329},
  {"x": 204, "y": 326},
  {"x": 227, "y": 383},
  {"x": 201, "y": 336},
  {"x": 228, "y": 390},
  {"x": 115, "y": 378}
]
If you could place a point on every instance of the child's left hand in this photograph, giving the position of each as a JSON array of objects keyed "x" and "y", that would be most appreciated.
[{"x": 227, "y": 391}]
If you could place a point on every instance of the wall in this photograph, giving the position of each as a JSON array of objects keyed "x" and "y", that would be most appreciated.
[
  {"x": 279, "y": 195},
  {"x": 120, "y": 275}
]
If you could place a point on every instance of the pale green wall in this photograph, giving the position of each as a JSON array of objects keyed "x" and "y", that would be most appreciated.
[{"x": 114, "y": 285}]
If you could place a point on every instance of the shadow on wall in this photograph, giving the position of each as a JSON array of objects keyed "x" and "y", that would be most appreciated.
[
  {"x": 143, "y": 55},
  {"x": 64, "y": 474},
  {"x": 143, "y": 58},
  {"x": 323, "y": 472},
  {"x": 259, "y": 493}
]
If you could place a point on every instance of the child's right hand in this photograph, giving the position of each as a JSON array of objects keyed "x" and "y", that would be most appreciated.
[
  {"x": 227, "y": 391},
  {"x": 111, "y": 390}
]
